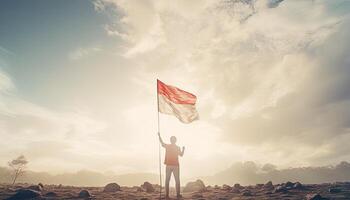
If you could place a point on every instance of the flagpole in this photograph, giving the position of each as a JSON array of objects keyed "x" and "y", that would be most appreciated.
[{"x": 159, "y": 149}]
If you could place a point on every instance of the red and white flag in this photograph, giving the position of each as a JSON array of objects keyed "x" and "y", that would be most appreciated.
[{"x": 174, "y": 101}]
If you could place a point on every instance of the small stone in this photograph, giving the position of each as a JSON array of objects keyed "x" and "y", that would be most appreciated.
[
  {"x": 238, "y": 186},
  {"x": 111, "y": 187},
  {"x": 25, "y": 194},
  {"x": 195, "y": 186},
  {"x": 148, "y": 187},
  {"x": 280, "y": 189},
  {"x": 268, "y": 185},
  {"x": 298, "y": 186},
  {"x": 226, "y": 187},
  {"x": 51, "y": 194},
  {"x": 84, "y": 194},
  {"x": 138, "y": 189},
  {"x": 246, "y": 193},
  {"x": 288, "y": 184},
  {"x": 334, "y": 190}
]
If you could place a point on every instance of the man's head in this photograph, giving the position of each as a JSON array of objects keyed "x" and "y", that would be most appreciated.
[{"x": 173, "y": 139}]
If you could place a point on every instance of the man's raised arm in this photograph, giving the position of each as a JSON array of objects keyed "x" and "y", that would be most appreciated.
[
  {"x": 161, "y": 141},
  {"x": 182, "y": 152}
]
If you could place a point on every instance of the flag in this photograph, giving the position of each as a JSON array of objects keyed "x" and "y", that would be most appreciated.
[{"x": 174, "y": 101}]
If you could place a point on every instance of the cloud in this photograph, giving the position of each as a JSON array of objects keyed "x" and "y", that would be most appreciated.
[
  {"x": 277, "y": 76},
  {"x": 83, "y": 52},
  {"x": 40, "y": 133}
]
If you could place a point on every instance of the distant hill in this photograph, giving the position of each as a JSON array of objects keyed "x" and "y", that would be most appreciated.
[
  {"x": 80, "y": 178},
  {"x": 250, "y": 173},
  {"x": 244, "y": 173}
]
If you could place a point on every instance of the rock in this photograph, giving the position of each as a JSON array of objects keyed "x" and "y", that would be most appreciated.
[
  {"x": 238, "y": 186},
  {"x": 84, "y": 194},
  {"x": 259, "y": 185},
  {"x": 35, "y": 187},
  {"x": 41, "y": 185},
  {"x": 111, "y": 187},
  {"x": 216, "y": 187},
  {"x": 197, "y": 185},
  {"x": 298, "y": 186},
  {"x": 288, "y": 184},
  {"x": 25, "y": 194},
  {"x": 148, "y": 187},
  {"x": 280, "y": 189},
  {"x": 226, "y": 187},
  {"x": 51, "y": 194},
  {"x": 334, "y": 190},
  {"x": 247, "y": 193},
  {"x": 138, "y": 189},
  {"x": 315, "y": 197},
  {"x": 268, "y": 185}
]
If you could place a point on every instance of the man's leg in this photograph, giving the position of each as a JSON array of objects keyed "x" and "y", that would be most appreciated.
[
  {"x": 167, "y": 180},
  {"x": 177, "y": 180}
]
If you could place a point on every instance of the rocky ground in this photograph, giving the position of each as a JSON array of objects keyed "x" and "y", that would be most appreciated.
[{"x": 193, "y": 190}]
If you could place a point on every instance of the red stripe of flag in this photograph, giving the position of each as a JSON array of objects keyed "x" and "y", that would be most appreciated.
[{"x": 175, "y": 94}]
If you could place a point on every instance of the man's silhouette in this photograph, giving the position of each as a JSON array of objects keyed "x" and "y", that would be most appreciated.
[{"x": 172, "y": 153}]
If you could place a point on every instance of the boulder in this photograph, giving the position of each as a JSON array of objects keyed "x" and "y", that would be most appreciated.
[
  {"x": 280, "y": 189},
  {"x": 137, "y": 189},
  {"x": 51, "y": 194},
  {"x": 226, "y": 187},
  {"x": 41, "y": 185},
  {"x": 84, "y": 194},
  {"x": 334, "y": 190},
  {"x": 148, "y": 187},
  {"x": 288, "y": 184},
  {"x": 197, "y": 185},
  {"x": 25, "y": 194},
  {"x": 237, "y": 186},
  {"x": 35, "y": 187},
  {"x": 298, "y": 186},
  {"x": 247, "y": 193},
  {"x": 111, "y": 187},
  {"x": 268, "y": 185}
]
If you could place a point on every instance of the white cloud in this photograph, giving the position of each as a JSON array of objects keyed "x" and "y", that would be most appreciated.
[
  {"x": 261, "y": 59},
  {"x": 39, "y": 132},
  {"x": 83, "y": 52}
]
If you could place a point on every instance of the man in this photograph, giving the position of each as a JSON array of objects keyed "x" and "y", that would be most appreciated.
[{"x": 172, "y": 153}]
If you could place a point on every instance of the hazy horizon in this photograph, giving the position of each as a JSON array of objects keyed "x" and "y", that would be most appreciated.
[
  {"x": 244, "y": 173},
  {"x": 78, "y": 83}
]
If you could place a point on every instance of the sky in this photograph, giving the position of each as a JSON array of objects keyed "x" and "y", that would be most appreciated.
[{"x": 78, "y": 82}]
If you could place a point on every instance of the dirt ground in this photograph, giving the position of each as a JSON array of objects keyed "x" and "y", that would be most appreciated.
[{"x": 258, "y": 192}]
